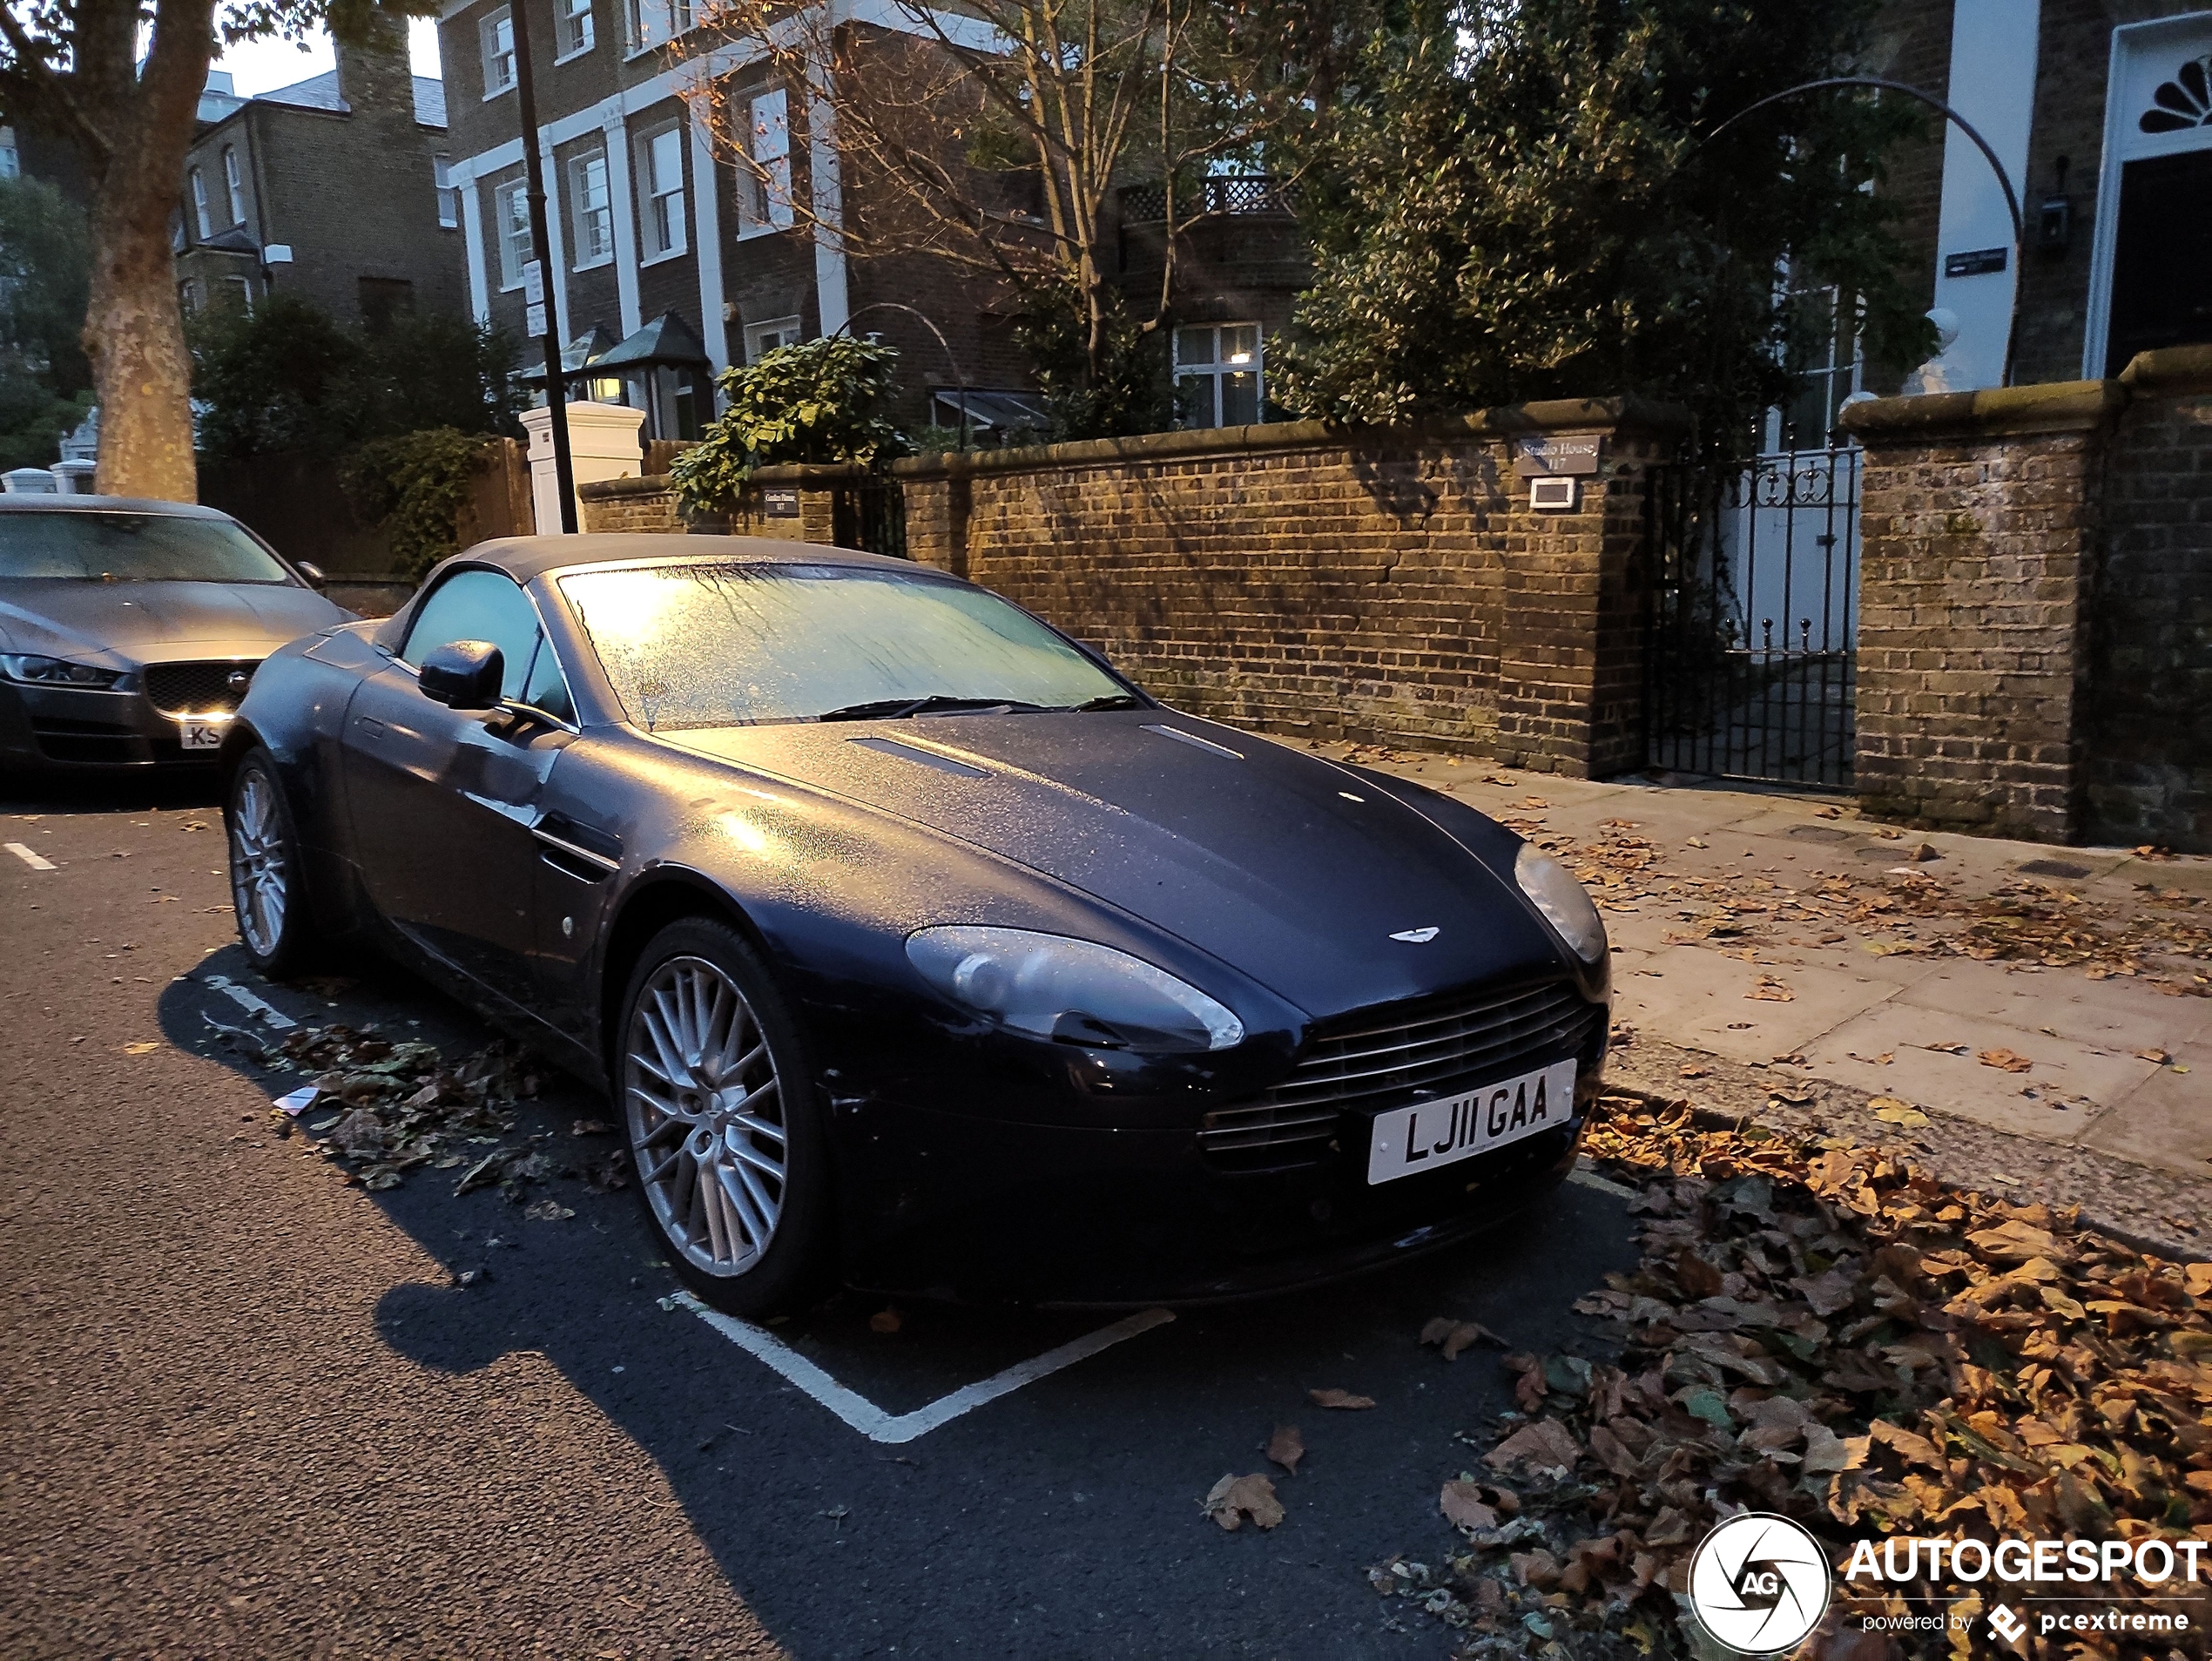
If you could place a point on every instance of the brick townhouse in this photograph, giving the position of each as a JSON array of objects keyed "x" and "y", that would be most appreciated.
[
  {"x": 2101, "y": 113},
  {"x": 331, "y": 188},
  {"x": 649, "y": 226}
]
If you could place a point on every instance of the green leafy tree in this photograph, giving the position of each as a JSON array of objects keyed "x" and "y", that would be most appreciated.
[
  {"x": 286, "y": 376},
  {"x": 45, "y": 278},
  {"x": 1097, "y": 382},
  {"x": 1514, "y": 199},
  {"x": 416, "y": 485},
  {"x": 45, "y": 275},
  {"x": 121, "y": 79},
  {"x": 817, "y": 401}
]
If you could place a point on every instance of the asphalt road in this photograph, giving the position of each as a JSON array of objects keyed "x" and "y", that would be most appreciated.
[{"x": 250, "y": 1411}]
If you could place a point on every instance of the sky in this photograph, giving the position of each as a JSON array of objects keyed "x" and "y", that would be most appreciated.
[{"x": 264, "y": 65}]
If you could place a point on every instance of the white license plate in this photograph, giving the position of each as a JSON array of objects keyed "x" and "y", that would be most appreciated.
[
  {"x": 203, "y": 734},
  {"x": 1409, "y": 1140}
]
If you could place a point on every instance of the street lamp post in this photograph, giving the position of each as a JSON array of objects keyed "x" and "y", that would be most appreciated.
[{"x": 556, "y": 392}]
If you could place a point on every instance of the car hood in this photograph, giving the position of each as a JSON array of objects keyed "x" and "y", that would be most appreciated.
[
  {"x": 158, "y": 622},
  {"x": 1296, "y": 872}
]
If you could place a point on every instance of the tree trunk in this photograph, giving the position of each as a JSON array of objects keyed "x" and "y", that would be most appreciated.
[
  {"x": 133, "y": 330},
  {"x": 140, "y": 372}
]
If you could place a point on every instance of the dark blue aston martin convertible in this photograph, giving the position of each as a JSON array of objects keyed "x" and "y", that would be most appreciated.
[{"x": 916, "y": 946}]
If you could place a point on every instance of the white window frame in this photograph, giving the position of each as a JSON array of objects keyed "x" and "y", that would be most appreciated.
[
  {"x": 233, "y": 185},
  {"x": 190, "y": 297},
  {"x": 765, "y": 200},
  {"x": 575, "y": 31},
  {"x": 587, "y": 217},
  {"x": 788, "y": 331},
  {"x": 498, "y": 57},
  {"x": 510, "y": 224},
  {"x": 449, "y": 198},
  {"x": 245, "y": 287},
  {"x": 202, "y": 218},
  {"x": 660, "y": 203},
  {"x": 10, "y": 158},
  {"x": 649, "y": 23},
  {"x": 2140, "y": 51},
  {"x": 1218, "y": 368}
]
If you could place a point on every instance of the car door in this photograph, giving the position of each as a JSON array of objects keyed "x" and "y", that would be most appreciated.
[{"x": 444, "y": 802}]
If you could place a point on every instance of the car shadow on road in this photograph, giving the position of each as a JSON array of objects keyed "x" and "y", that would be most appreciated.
[{"x": 1060, "y": 1520}]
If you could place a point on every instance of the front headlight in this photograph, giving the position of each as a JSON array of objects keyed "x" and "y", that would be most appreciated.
[
  {"x": 1076, "y": 991},
  {"x": 57, "y": 671},
  {"x": 1555, "y": 893}
]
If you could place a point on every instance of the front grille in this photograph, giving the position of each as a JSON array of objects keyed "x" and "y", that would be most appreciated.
[
  {"x": 1388, "y": 1057},
  {"x": 62, "y": 739},
  {"x": 197, "y": 688}
]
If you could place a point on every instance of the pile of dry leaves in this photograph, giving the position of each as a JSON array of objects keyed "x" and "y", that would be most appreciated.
[
  {"x": 399, "y": 1105},
  {"x": 1826, "y": 1331}
]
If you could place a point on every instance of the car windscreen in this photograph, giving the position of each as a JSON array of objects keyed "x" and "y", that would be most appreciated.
[
  {"x": 727, "y": 644},
  {"x": 132, "y": 548}
]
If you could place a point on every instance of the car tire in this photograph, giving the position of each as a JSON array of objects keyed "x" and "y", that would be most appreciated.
[
  {"x": 268, "y": 870},
  {"x": 716, "y": 1094}
]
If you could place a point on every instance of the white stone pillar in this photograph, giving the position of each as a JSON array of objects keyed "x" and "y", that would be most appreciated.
[{"x": 603, "y": 444}]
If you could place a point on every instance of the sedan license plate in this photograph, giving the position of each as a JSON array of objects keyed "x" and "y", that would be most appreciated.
[
  {"x": 202, "y": 733},
  {"x": 1409, "y": 1140}
]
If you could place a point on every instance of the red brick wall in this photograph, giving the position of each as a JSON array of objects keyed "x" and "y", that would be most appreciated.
[
  {"x": 2035, "y": 623},
  {"x": 2148, "y": 777},
  {"x": 1389, "y": 584}
]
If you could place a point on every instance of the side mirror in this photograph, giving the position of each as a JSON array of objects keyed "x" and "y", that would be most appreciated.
[
  {"x": 464, "y": 674},
  {"x": 314, "y": 574}
]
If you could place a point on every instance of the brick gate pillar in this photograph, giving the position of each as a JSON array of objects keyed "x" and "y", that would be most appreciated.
[
  {"x": 1977, "y": 540},
  {"x": 1571, "y": 647}
]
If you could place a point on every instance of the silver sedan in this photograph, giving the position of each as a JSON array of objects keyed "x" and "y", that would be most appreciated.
[{"x": 130, "y": 629}]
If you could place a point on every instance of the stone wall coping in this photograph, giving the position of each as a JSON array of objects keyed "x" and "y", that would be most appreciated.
[
  {"x": 2174, "y": 369},
  {"x": 809, "y": 473},
  {"x": 2053, "y": 406},
  {"x": 2049, "y": 407},
  {"x": 614, "y": 490},
  {"x": 1562, "y": 415}
]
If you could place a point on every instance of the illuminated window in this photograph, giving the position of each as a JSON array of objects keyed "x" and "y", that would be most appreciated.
[{"x": 1219, "y": 375}]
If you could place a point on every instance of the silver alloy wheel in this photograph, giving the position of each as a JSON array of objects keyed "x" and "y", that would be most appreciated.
[
  {"x": 261, "y": 871},
  {"x": 706, "y": 1116}
]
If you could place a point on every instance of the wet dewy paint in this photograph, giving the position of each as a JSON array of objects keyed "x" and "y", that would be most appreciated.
[{"x": 971, "y": 1158}]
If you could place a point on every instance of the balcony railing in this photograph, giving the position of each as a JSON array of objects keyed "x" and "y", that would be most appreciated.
[{"x": 1216, "y": 193}]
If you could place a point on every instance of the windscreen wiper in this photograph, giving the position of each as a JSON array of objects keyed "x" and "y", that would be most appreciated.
[
  {"x": 892, "y": 709},
  {"x": 1110, "y": 700}
]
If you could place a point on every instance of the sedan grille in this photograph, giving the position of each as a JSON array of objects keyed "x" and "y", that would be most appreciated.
[
  {"x": 1387, "y": 1056},
  {"x": 197, "y": 688}
]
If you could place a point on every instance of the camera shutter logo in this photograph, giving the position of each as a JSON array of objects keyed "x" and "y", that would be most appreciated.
[{"x": 1759, "y": 1584}]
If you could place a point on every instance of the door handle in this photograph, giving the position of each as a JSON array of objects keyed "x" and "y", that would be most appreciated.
[{"x": 371, "y": 725}]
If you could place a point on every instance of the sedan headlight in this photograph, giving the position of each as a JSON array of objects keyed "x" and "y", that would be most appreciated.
[
  {"x": 1552, "y": 887},
  {"x": 57, "y": 671},
  {"x": 1076, "y": 991}
]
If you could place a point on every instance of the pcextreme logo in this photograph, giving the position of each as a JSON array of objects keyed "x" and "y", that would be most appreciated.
[{"x": 1759, "y": 1584}]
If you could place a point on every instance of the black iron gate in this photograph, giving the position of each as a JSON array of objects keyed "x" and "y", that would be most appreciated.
[{"x": 1754, "y": 617}]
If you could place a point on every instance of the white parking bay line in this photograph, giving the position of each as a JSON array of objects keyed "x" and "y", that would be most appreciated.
[
  {"x": 873, "y": 1422},
  {"x": 1604, "y": 1184},
  {"x": 29, "y": 857},
  {"x": 247, "y": 1001}
]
